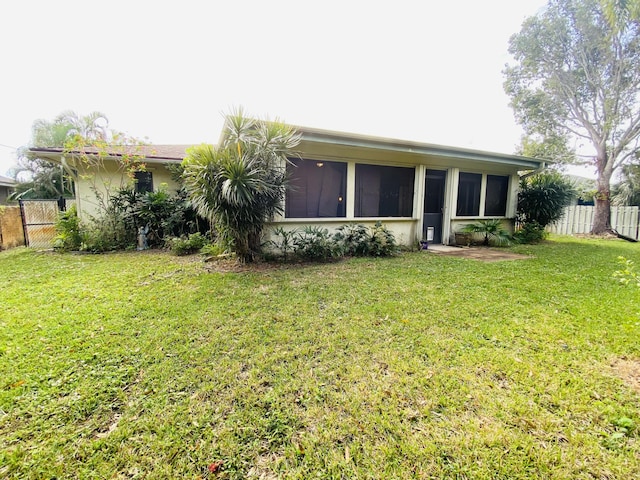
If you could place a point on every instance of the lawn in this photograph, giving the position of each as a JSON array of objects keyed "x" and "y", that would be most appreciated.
[{"x": 144, "y": 365}]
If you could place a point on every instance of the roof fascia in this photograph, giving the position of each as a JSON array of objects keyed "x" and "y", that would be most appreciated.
[
  {"x": 392, "y": 145},
  {"x": 52, "y": 153}
]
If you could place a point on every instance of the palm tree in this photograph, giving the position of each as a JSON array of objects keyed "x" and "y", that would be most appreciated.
[
  {"x": 627, "y": 191},
  {"x": 40, "y": 178},
  {"x": 93, "y": 126},
  {"x": 239, "y": 185},
  {"x": 490, "y": 230}
]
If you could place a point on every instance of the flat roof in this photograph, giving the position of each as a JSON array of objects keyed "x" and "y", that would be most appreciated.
[{"x": 330, "y": 137}]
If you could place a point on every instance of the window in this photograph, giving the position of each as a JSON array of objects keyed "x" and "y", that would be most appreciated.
[
  {"x": 496, "y": 199},
  {"x": 144, "y": 182},
  {"x": 316, "y": 189},
  {"x": 384, "y": 191},
  {"x": 469, "y": 194}
]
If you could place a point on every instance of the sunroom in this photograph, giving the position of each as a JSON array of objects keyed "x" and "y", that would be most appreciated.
[{"x": 420, "y": 191}]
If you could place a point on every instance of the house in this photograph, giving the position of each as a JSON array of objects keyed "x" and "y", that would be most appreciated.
[
  {"x": 418, "y": 190},
  {"x": 6, "y": 188},
  {"x": 96, "y": 174}
]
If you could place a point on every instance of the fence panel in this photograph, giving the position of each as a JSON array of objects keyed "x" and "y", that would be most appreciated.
[
  {"x": 11, "y": 232},
  {"x": 579, "y": 219},
  {"x": 39, "y": 218}
]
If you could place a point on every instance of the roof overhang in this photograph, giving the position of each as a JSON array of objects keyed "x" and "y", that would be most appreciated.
[
  {"x": 354, "y": 146},
  {"x": 147, "y": 154},
  {"x": 7, "y": 182}
]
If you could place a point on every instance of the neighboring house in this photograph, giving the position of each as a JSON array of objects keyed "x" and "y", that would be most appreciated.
[
  {"x": 419, "y": 190},
  {"x": 6, "y": 188}
]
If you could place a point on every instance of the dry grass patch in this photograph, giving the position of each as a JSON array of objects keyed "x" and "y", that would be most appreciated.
[{"x": 628, "y": 370}]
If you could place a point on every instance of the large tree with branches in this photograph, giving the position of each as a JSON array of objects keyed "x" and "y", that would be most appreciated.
[{"x": 575, "y": 84}]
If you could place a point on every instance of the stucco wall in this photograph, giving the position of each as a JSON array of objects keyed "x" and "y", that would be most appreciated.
[
  {"x": 403, "y": 229},
  {"x": 11, "y": 232}
]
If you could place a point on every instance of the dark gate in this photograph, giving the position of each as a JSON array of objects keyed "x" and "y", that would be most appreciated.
[
  {"x": 39, "y": 220},
  {"x": 435, "y": 181}
]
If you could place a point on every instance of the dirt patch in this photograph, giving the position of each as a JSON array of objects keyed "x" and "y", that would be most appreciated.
[
  {"x": 482, "y": 254},
  {"x": 628, "y": 370}
]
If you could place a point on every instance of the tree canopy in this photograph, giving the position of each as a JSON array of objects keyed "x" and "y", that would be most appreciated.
[
  {"x": 575, "y": 85},
  {"x": 39, "y": 178}
]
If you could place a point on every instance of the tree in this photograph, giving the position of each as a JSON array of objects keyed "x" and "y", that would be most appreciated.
[
  {"x": 577, "y": 79},
  {"x": 40, "y": 178},
  {"x": 240, "y": 184}
]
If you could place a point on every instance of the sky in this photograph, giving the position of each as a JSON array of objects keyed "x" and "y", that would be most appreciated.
[{"x": 428, "y": 71}]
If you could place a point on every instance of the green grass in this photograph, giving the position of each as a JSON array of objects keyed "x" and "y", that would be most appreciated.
[{"x": 144, "y": 365}]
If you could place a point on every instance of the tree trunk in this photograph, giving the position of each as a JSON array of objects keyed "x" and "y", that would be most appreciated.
[{"x": 602, "y": 214}]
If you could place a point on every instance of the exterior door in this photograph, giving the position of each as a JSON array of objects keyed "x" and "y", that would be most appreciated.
[{"x": 433, "y": 204}]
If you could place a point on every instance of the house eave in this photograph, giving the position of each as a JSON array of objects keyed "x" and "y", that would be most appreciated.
[
  {"x": 55, "y": 154},
  {"x": 418, "y": 149}
]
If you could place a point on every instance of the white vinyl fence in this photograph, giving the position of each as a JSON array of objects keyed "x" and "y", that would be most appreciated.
[{"x": 579, "y": 219}]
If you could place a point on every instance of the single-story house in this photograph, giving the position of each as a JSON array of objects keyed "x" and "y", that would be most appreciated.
[
  {"x": 98, "y": 173},
  {"x": 7, "y": 186},
  {"x": 418, "y": 190}
]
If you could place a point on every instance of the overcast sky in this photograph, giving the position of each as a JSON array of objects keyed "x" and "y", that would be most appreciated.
[{"x": 428, "y": 71}]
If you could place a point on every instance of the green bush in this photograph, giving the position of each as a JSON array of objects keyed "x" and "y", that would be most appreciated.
[
  {"x": 353, "y": 239},
  {"x": 284, "y": 241},
  {"x": 68, "y": 233},
  {"x": 187, "y": 245},
  {"x": 490, "y": 231},
  {"x": 382, "y": 242},
  {"x": 165, "y": 215},
  {"x": 212, "y": 250},
  {"x": 542, "y": 198},
  {"x": 531, "y": 232},
  {"x": 315, "y": 243}
]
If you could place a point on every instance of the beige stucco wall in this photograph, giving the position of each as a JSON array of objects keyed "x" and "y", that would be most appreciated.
[
  {"x": 403, "y": 229},
  {"x": 93, "y": 188}
]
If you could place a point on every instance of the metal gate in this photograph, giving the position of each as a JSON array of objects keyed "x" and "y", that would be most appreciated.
[{"x": 39, "y": 219}]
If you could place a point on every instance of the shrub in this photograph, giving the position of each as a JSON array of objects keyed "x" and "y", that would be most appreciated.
[
  {"x": 108, "y": 233},
  {"x": 164, "y": 215},
  {"x": 285, "y": 240},
  {"x": 212, "y": 250},
  {"x": 315, "y": 243},
  {"x": 491, "y": 231},
  {"x": 68, "y": 233},
  {"x": 353, "y": 239},
  {"x": 382, "y": 242},
  {"x": 187, "y": 245},
  {"x": 542, "y": 198},
  {"x": 531, "y": 232}
]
